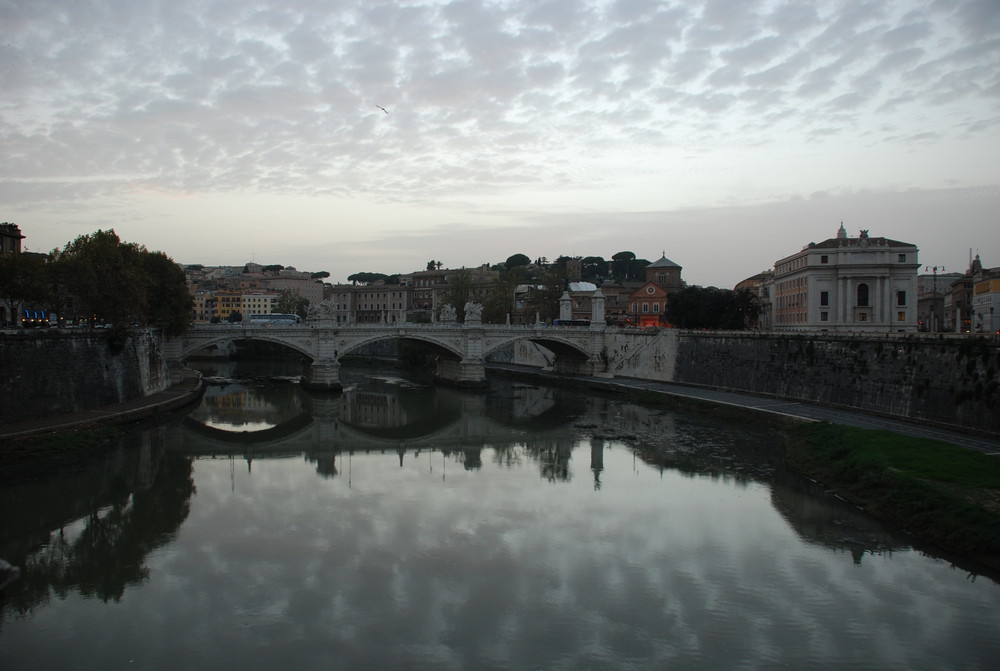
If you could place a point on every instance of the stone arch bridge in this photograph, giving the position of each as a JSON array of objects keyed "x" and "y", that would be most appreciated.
[{"x": 462, "y": 349}]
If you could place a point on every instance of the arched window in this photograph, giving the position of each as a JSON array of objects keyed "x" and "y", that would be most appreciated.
[{"x": 862, "y": 295}]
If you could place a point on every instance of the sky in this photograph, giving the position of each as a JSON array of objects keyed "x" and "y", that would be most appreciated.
[{"x": 359, "y": 135}]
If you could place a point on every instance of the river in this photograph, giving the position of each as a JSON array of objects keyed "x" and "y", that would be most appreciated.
[{"x": 407, "y": 526}]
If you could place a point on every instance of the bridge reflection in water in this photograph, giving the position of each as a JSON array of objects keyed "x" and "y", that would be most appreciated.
[{"x": 386, "y": 413}]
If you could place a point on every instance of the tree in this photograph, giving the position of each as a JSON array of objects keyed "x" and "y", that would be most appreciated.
[
  {"x": 712, "y": 308},
  {"x": 545, "y": 299},
  {"x": 106, "y": 277},
  {"x": 517, "y": 260},
  {"x": 459, "y": 291},
  {"x": 168, "y": 302},
  {"x": 290, "y": 303},
  {"x": 273, "y": 269},
  {"x": 594, "y": 268},
  {"x": 122, "y": 282},
  {"x": 24, "y": 279},
  {"x": 321, "y": 275},
  {"x": 366, "y": 278},
  {"x": 430, "y": 265},
  {"x": 620, "y": 264}
]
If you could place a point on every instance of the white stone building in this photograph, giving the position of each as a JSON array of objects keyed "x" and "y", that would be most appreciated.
[{"x": 846, "y": 284}]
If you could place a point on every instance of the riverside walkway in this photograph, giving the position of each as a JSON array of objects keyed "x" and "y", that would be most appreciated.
[
  {"x": 135, "y": 410},
  {"x": 186, "y": 392},
  {"x": 777, "y": 406}
]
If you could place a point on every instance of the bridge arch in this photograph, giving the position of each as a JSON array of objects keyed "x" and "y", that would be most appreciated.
[
  {"x": 191, "y": 346},
  {"x": 451, "y": 350},
  {"x": 556, "y": 345}
]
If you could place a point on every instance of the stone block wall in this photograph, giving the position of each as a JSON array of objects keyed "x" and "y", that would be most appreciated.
[
  {"x": 57, "y": 372},
  {"x": 951, "y": 381},
  {"x": 942, "y": 380}
]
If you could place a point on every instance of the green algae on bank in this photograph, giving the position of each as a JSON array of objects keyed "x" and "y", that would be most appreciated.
[{"x": 940, "y": 493}]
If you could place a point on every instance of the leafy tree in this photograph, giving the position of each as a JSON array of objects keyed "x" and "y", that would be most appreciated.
[
  {"x": 637, "y": 269},
  {"x": 561, "y": 261},
  {"x": 24, "y": 279},
  {"x": 545, "y": 300},
  {"x": 168, "y": 301},
  {"x": 459, "y": 291},
  {"x": 517, "y": 260},
  {"x": 290, "y": 303},
  {"x": 594, "y": 268},
  {"x": 366, "y": 278},
  {"x": 106, "y": 276},
  {"x": 430, "y": 265},
  {"x": 620, "y": 264},
  {"x": 235, "y": 316},
  {"x": 712, "y": 308},
  {"x": 122, "y": 282},
  {"x": 273, "y": 269},
  {"x": 321, "y": 275},
  {"x": 500, "y": 302}
]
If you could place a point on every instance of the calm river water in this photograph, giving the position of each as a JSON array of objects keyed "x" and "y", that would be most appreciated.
[{"x": 407, "y": 526}]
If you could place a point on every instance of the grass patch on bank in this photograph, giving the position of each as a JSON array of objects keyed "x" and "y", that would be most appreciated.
[{"x": 941, "y": 493}]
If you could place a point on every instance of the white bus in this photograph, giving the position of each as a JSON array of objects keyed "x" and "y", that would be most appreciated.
[{"x": 273, "y": 320}]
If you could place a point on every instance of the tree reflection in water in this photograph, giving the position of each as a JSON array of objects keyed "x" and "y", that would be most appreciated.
[{"x": 91, "y": 530}]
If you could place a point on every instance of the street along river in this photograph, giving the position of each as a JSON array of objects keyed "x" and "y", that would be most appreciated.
[{"x": 407, "y": 526}]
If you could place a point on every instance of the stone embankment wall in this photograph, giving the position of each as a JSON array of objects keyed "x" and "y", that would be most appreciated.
[
  {"x": 57, "y": 372},
  {"x": 951, "y": 381}
]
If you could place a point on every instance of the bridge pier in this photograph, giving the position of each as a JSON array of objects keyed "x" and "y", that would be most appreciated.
[
  {"x": 466, "y": 374},
  {"x": 323, "y": 375}
]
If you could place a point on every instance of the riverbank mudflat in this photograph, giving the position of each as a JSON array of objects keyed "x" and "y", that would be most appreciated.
[{"x": 939, "y": 493}]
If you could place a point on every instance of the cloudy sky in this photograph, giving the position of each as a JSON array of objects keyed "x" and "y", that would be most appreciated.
[{"x": 726, "y": 133}]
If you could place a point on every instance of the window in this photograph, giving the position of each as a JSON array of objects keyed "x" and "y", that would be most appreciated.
[
  {"x": 862, "y": 316},
  {"x": 900, "y": 298},
  {"x": 656, "y": 307},
  {"x": 901, "y": 316},
  {"x": 824, "y": 316},
  {"x": 862, "y": 295},
  {"x": 824, "y": 298},
  {"x": 902, "y": 258},
  {"x": 645, "y": 307},
  {"x": 824, "y": 259}
]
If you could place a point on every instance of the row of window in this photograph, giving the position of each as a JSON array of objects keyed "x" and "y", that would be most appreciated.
[
  {"x": 863, "y": 316},
  {"x": 862, "y": 297},
  {"x": 646, "y": 307}
]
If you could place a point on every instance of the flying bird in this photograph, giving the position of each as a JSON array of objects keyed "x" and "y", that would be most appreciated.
[{"x": 382, "y": 108}]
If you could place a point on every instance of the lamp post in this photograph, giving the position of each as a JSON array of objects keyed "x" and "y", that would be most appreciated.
[{"x": 934, "y": 305}]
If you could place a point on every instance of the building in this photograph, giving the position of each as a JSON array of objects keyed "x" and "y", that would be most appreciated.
[
  {"x": 986, "y": 303},
  {"x": 759, "y": 285},
  {"x": 369, "y": 303},
  {"x": 931, "y": 298},
  {"x": 427, "y": 288},
  {"x": 648, "y": 302},
  {"x": 847, "y": 284},
  {"x": 10, "y": 238},
  {"x": 969, "y": 300},
  {"x": 257, "y": 304}
]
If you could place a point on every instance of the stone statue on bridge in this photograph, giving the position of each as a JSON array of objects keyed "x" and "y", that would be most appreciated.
[
  {"x": 473, "y": 312},
  {"x": 448, "y": 313},
  {"x": 324, "y": 310}
]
